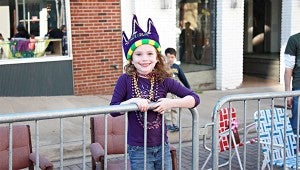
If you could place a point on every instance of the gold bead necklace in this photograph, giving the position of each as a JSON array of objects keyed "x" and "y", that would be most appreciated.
[
  {"x": 157, "y": 122},
  {"x": 137, "y": 90}
]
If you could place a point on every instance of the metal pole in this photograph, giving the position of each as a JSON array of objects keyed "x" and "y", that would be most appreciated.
[{"x": 195, "y": 142}]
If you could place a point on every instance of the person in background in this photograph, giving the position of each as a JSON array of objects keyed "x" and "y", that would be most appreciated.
[
  {"x": 1, "y": 37},
  {"x": 186, "y": 42},
  {"x": 292, "y": 73},
  {"x": 1, "y": 50},
  {"x": 54, "y": 33},
  {"x": 21, "y": 32},
  {"x": 171, "y": 116},
  {"x": 32, "y": 41},
  {"x": 63, "y": 29},
  {"x": 146, "y": 80}
]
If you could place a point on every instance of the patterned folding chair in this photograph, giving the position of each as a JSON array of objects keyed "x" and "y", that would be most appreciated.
[
  {"x": 265, "y": 134},
  {"x": 224, "y": 135}
]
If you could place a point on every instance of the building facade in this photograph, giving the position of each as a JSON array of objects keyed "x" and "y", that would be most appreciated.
[{"x": 218, "y": 42}]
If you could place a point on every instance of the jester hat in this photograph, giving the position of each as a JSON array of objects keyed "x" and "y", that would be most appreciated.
[{"x": 139, "y": 37}]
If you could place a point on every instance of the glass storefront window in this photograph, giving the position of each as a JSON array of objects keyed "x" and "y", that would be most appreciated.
[
  {"x": 195, "y": 35},
  {"x": 36, "y": 28}
]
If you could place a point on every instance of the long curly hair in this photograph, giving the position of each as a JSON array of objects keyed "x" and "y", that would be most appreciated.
[{"x": 161, "y": 69}]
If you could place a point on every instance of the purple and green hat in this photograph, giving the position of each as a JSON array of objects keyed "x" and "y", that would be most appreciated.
[{"x": 139, "y": 37}]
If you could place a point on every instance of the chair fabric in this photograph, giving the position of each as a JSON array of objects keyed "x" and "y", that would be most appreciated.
[
  {"x": 224, "y": 132},
  {"x": 264, "y": 123},
  {"x": 224, "y": 127},
  {"x": 115, "y": 132},
  {"x": 21, "y": 148},
  {"x": 115, "y": 142}
]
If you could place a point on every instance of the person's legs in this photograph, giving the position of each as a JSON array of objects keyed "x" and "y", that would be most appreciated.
[
  {"x": 167, "y": 158},
  {"x": 169, "y": 117},
  {"x": 174, "y": 117},
  {"x": 136, "y": 156},
  {"x": 154, "y": 157},
  {"x": 294, "y": 117},
  {"x": 168, "y": 121}
]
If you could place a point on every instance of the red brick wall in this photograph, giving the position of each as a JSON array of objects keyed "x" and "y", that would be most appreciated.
[{"x": 97, "y": 45}]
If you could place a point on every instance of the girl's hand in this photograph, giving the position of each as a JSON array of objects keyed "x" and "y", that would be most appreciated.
[
  {"x": 143, "y": 104},
  {"x": 163, "y": 104}
]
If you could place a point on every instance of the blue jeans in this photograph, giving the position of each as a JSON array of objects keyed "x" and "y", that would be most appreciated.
[
  {"x": 154, "y": 157},
  {"x": 294, "y": 118}
]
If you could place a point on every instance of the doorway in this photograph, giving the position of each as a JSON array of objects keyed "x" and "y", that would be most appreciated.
[{"x": 262, "y": 38}]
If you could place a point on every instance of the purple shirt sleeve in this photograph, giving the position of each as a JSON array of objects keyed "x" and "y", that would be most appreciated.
[{"x": 120, "y": 92}]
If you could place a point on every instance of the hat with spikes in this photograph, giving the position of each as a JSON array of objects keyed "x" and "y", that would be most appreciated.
[{"x": 139, "y": 37}]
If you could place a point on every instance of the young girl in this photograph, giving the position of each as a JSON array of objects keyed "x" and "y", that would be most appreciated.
[{"x": 147, "y": 80}]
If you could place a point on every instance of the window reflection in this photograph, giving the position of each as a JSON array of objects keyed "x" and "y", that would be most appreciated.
[
  {"x": 30, "y": 32},
  {"x": 194, "y": 39}
]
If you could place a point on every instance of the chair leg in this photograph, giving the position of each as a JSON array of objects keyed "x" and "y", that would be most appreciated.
[
  {"x": 206, "y": 161},
  {"x": 174, "y": 160},
  {"x": 236, "y": 151}
]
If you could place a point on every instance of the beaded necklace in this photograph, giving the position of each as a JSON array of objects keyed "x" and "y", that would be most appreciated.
[{"x": 136, "y": 92}]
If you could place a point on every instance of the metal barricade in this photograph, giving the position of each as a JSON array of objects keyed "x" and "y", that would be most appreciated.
[
  {"x": 249, "y": 103},
  {"x": 36, "y": 117}
]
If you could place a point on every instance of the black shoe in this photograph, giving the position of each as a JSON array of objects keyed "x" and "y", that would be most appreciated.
[
  {"x": 176, "y": 128},
  {"x": 170, "y": 128}
]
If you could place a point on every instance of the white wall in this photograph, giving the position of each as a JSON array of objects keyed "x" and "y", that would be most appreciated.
[
  {"x": 164, "y": 19},
  {"x": 229, "y": 39},
  {"x": 4, "y": 20}
]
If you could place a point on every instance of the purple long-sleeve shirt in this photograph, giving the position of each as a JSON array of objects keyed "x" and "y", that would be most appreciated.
[{"x": 124, "y": 91}]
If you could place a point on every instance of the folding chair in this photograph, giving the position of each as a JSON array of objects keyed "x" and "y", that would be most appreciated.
[
  {"x": 264, "y": 123},
  {"x": 115, "y": 143},
  {"x": 224, "y": 135},
  {"x": 22, "y": 155}
]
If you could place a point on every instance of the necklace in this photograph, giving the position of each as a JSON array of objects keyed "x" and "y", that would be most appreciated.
[{"x": 136, "y": 92}]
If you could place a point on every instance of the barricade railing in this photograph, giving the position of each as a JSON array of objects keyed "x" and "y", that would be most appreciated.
[
  {"x": 249, "y": 103},
  {"x": 36, "y": 117}
]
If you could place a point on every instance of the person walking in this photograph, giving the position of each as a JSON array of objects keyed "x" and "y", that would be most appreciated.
[{"x": 292, "y": 74}]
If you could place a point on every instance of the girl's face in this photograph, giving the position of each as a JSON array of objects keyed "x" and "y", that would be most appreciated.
[{"x": 144, "y": 58}]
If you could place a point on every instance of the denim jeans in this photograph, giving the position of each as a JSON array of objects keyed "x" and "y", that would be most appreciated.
[
  {"x": 154, "y": 157},
  {"x": 294, "y": 118}
]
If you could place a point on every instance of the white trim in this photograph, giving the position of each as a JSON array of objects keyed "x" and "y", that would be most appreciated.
[
  {"x": 69, "y": 30},
  {"x": 34, "y": 60}
]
